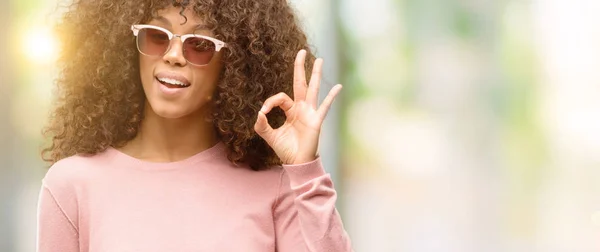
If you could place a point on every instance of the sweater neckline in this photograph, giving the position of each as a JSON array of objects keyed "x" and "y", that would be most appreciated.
[{"x": 120, "y": 157}]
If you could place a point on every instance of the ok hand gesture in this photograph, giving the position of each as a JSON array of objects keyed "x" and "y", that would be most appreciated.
[{"x": 296, "y": 141}]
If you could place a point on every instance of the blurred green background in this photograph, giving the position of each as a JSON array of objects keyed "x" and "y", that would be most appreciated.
[{"x": 464, "y": 125}]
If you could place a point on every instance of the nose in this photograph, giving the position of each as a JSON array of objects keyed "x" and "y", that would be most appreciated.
[{"x": 174, "y": 55}]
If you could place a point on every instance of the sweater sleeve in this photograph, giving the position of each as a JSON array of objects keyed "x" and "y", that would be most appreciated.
[
  {"x": 305, "y": 216},
  {"x": 56, "y": 232}
]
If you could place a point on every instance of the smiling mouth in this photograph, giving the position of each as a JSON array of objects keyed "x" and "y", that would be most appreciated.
[{"x": 172, "y": 83}]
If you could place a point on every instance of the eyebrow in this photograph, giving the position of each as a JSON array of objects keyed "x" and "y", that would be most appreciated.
[{"x": 168, "y": 23}]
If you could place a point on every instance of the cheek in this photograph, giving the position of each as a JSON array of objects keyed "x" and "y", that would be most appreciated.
[
  {"x": 213, "y": 73},
  {"x": 208, "y": 78},
  {"x": 146, "y": 68}
]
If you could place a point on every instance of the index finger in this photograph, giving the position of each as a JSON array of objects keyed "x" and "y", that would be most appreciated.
[{"x": 300, "y": 76}]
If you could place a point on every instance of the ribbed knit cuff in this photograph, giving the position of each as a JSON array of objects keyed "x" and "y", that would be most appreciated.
[{"x": 302, "y": 173}]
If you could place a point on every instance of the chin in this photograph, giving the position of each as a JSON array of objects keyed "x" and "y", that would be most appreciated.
[
  {"x": 169, "y": 114},
  {"x": 170, "y": 111},
  {"x": 176, "y": 109}
]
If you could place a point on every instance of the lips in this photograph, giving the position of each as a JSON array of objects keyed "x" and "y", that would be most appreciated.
[{"x": 172, "y": 80}]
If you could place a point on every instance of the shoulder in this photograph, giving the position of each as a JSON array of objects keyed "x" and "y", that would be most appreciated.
[
  {"x": 242, "y": 178},
  {"x": 70, "y": 172},
  {"x": 267, "y": 176},
  {"x": 284, "y": 177}
]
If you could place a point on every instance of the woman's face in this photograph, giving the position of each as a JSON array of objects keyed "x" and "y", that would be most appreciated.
[{"x": 175, "y": 88}]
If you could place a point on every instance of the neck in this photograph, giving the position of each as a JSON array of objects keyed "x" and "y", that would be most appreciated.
[{"x": 162, "y": 139}]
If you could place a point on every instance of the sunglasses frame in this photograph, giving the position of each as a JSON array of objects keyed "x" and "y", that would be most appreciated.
[{"x": 137, "y": 27}]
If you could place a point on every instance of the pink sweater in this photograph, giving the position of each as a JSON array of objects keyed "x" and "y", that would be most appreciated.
[{"x": 111, "y": 202}]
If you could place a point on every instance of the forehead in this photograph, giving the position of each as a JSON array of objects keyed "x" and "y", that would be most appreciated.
[{"x": 174, "y": 16}]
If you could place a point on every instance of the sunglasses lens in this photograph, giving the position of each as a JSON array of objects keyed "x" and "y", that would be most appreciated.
[
  {"x": 152, "y": 41},
  {"x": 198, "y": 51}
]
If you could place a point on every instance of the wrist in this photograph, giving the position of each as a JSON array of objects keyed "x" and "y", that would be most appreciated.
[{"x": 302, "y": 160}]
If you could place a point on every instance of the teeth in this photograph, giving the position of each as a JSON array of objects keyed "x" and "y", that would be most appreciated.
[{"x": 172, "y": 82}]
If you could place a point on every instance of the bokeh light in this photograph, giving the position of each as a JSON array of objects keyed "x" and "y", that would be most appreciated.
[{"x": 40, "y": 45}]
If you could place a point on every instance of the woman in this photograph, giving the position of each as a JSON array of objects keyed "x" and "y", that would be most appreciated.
[{"x": 162, "y": 136}]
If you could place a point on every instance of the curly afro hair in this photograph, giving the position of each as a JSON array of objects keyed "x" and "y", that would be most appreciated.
[{"x": 99, "y": 62}]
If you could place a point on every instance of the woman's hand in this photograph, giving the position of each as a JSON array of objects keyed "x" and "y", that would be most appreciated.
[{"x": 297, "y": 140}]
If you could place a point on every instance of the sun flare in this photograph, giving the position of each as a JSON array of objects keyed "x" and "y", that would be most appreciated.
[{"x": 40, "y": 45}]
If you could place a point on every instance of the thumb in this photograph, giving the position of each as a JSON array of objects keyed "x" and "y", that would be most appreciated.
[{"x": 262, "y": 127}]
